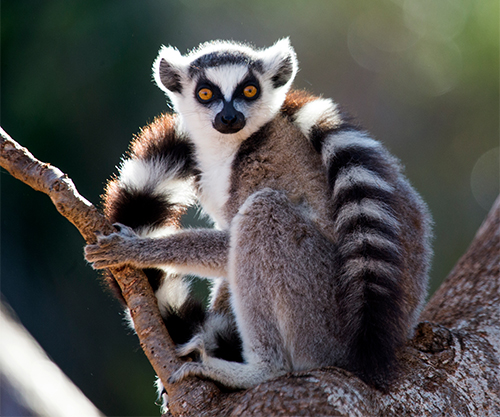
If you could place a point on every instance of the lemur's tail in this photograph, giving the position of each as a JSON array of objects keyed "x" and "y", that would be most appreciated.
[
  {"x": 363, "y": 178},
  {"x": 152, "y": 190},
  {"x": 365, "y": 185},
  {"x": 154, "y": 185}
]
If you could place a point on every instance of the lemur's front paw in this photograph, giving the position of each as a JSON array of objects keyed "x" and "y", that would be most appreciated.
[
  {"x": 111, "y": 250},
  {"x": 187, "y": 369}
]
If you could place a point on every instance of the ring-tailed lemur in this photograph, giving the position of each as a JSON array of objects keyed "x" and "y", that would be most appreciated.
[{"x": 321, "y": 246}]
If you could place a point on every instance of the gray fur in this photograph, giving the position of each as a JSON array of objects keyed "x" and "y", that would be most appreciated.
[{"x": 316, "y": 220}]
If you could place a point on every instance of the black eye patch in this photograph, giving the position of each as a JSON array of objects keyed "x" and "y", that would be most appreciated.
[
  {"x": 207, "y": 92},
  {"x": 239, "y": 92}
]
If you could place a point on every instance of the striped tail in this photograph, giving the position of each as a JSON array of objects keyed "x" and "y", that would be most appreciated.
[
  {"x": 154, "y": 187},
  {"x": 366, "y": 185},
  {"x": 362, "y": 177}
]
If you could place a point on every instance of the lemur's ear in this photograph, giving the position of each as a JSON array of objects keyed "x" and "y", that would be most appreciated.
[
  {"x": 280, "y": 61},
  {"x": 168, "y": 69}
]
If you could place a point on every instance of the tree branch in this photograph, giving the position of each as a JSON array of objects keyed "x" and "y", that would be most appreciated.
[
  {"x": 450, "y": 367},
  {"x": 471, "y": 291},
  {"x": 153, "y": 336}
]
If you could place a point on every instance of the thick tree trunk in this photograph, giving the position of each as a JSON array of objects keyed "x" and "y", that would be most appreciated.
[{"x": 451, "y": 367}]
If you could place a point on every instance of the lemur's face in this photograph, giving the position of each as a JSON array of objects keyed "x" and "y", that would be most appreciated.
[
  {"x": 227, "y": 95},
  {"x": 229, "y": 89}
]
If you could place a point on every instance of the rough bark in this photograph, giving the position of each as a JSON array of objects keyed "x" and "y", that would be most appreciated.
[{"x": 451, "y": 367}]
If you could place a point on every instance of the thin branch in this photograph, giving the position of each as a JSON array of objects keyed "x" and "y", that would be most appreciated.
[{"x": 185, "y": 397}]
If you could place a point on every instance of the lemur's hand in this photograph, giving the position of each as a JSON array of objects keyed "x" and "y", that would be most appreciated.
[{"x": 115, "y": 249}]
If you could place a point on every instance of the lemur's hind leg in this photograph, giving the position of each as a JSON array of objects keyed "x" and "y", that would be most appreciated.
[{"x": 279, "y": 274}]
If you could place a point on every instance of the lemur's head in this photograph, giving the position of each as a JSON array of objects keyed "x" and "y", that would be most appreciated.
[{"x": 230, "y": 87}]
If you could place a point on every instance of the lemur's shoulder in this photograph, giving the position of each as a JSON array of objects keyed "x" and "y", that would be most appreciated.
[
  {"x": 295, "y": 100},
  {"x": 316, "y": 117}
]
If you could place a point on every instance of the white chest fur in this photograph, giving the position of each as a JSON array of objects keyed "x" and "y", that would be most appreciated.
[
  {"x": 214, "y": 153},
  {"x": 215, "y": 162},
  {"x": 214, "y": 188}
]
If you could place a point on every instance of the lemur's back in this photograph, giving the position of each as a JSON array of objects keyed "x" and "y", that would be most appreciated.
[
  {"x": 281, "y": 157},
  {"x": 344, "y": 197}
]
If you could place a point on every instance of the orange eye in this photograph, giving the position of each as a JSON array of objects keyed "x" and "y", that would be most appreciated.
[
  {"x": 250, "y": 91},
  {"x": 205, "y": 94}
]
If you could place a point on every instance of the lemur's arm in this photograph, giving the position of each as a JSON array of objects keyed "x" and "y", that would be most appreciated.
[
  {"x": 153, "y": 189},
  {"x": 203, "y": 252},
  {"x": 155, "y": 185}
]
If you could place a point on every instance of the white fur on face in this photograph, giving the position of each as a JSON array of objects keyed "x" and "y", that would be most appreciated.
[
  {"x": 267, "y": 106},
  {"x": 227, "y": 78},
  {"x": 197, "y": 118}
]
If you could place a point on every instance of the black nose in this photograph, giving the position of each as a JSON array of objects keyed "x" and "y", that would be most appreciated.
[{"x": 228, "y": 119}]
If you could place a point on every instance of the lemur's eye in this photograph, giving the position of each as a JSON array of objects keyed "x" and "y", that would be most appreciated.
[
  {"x": 250, "y": 91},
  {"x": 205, "y": 94}
]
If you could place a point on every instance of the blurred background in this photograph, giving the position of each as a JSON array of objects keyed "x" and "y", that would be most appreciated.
[{"x": 420, "y": 75}]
